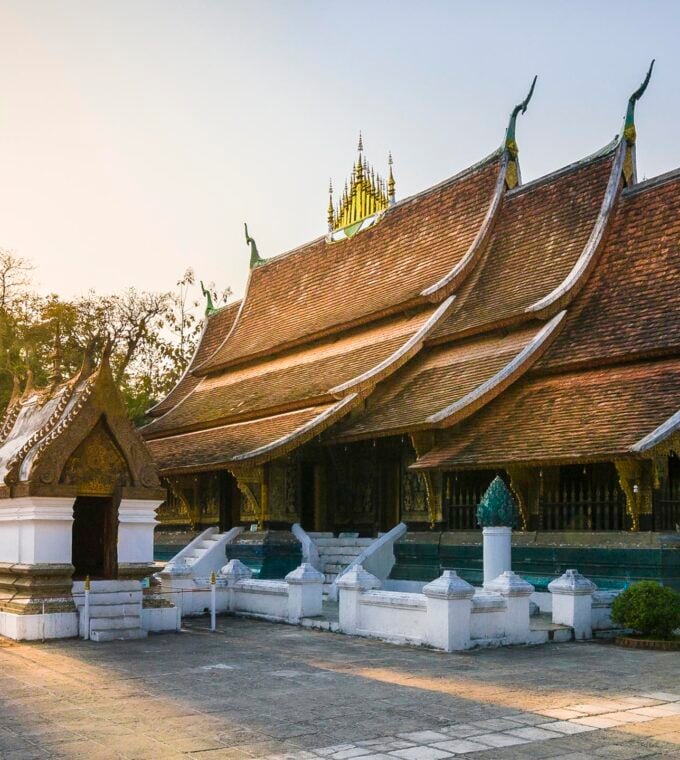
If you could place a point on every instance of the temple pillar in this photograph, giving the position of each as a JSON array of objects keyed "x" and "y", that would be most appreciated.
[
  {"x": 422, "y": 442},
  {"x": 525, "y": 485}
]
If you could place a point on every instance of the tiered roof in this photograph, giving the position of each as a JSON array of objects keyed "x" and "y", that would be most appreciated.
[{"x": 469, "y": 308}]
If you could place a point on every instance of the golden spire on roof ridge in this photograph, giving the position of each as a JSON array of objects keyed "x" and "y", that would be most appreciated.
[
  {"x": 364, "y": 196},
  {"x": 390, "y": 181}
]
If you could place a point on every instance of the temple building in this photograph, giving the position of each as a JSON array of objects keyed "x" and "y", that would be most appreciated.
[{"x": 390, "y": 369}]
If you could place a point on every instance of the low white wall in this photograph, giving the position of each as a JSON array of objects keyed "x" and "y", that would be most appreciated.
[
  {"x": 157, "y": 619},
  {"x": 53, "y": 625},
  {"x": 393, "y": 616}
]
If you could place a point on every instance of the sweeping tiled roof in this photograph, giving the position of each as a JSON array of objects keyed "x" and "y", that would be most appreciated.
[
  {"x": 541, "y": 232},
  {"x": 217, "y": 325},
  {"x": 434, "y": 380},
  {"x": 294, "y": 380},
  {"x": 325, "y": 286},
  {"x": 588, "y": 415},
  {"x": 217, "y": 446},
  {"x": 629, "y": 306}
]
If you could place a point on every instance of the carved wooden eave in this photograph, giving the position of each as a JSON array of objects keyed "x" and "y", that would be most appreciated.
[
  {"x": 496, "y": 384},
  {"x": 49, "y": 427},
  {"x": 663, "y": 439}
]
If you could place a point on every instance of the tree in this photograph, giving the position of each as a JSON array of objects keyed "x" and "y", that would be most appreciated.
[{"x": 153, "y": 334}]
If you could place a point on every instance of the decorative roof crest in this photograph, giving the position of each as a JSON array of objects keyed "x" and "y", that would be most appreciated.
[
  {"x": 365, "y": 196},
  {"x": 510, "y": 143},
  {"x": 255, "y": 258},
  {"x": 209, "y": 307},
  {"x": 629, "y": 132}
]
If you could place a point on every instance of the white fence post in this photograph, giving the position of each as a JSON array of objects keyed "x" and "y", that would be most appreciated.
[
  {"x": 497, "y": 551},
  {"x": 572, "y": 600},
  {"x": 516, "y": 592},
  {"x": 449, "y": 606},
  {"x": 351, "y": 585},
  {"x": 213, "y": 602},
  {"x": 305, "y": 592},
  {"x": 86, "y": 609}
]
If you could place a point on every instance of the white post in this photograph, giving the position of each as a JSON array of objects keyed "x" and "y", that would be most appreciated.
[
  {"x": 213, "y": 605},
  {"x": 497, "y": 551},
  {"x": 305, "y": 592},
  {"x": 449, "y": 606},
  {"x": 516, "y": 592},
  {"x": 234, "y": 571},
  {"x": 351, "y": 586},
  {"x": 572, "y": 599},
  {"x": 86, "y": 608}
]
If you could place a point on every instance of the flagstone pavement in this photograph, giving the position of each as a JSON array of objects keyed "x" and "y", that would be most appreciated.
[{"x": 255, "y": 689}]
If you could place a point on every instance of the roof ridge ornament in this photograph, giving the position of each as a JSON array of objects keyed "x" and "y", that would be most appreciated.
[
  {"x": 255, "y": 258},
  {"x": 209, "y": 307},
  {"x": 512, "y": 176},
  {"x": 630, "y": 133}
]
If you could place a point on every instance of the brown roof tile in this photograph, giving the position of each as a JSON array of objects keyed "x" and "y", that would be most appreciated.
[
  {"x": 216, "y": 327},
  {"x": 291, "y": 380},
  {"x": 435, "y": 379},
  {"x": 322, "y": 286},
  {"x": 541, "y": 231},
  {"x": 588, "y": 415},
  {"x": 215, "y": 447},
  {"x": 629, "y": 306}
]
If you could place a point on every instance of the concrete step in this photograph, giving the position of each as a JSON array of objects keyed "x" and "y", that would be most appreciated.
[
  {"x": 323, "y": 542},
  {"x": 113, "y": 610},
  {"x": 123, "y": 597},
  {"x": 109, "y": 624},
  {"x": 121, "y": 634}
]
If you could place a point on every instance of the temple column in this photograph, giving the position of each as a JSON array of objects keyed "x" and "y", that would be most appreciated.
[
  {"x": 637, "y": 480},
  {"x": 136, "y": 523}
]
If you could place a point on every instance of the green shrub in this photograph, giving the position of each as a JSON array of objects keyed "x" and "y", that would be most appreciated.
[{"x": 648, "y": 608}]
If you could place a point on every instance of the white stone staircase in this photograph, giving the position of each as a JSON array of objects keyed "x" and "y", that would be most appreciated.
[
  {"x": 115, "y": 611},
  {"x": 336, "y": 553},
  {"x": 205, "y": 554}
]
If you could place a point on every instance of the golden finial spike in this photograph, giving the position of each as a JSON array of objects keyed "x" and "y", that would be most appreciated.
[
  {"x": 390, "y": 183},
  {"x": 360, "y": 146}
]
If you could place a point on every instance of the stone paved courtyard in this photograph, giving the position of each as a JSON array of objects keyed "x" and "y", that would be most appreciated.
[{"x": 255, "y": 689}]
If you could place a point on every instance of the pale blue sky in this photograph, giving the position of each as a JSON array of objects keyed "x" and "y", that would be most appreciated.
[{"x": 136, "y": 136}]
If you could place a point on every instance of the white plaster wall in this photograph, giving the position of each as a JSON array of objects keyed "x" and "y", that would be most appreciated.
[
  {"x": 161, "y": 619},
  {"x": 487, "y": 624},
  {"x": 136, "y": 523},
  {"x": 54, "y": 625},
  {"x": 393, "y": 615},
  {"x": 268, "y": 598},
  {"x": 36, "y": 530}
]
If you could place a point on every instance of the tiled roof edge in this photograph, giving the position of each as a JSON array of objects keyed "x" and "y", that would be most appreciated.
[
  {"x": 454, "y": 277},
  {"x": 602, "y": 153},
  {"x": 653, "y": 182},
  {"x": 399, "y": 357},
  {"x": 300, "y": 435},
  {"x": 565, "y": 291},
  {"x": 657, "y": 436},
  {"x": 500, "y": 381}
]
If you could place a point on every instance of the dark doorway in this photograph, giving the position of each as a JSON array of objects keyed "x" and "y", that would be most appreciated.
[
  {"x": 229, "y": 501},
  {"x": 307, "y": 490},
  {"x": 95, "y": 537}
]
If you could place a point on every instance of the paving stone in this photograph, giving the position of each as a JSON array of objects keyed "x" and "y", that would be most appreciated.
[
  {"x": 420, "y": 753},
  {"x": 533, "y": 733},
  {"x": 663, "y": 696},
  {"x": 500, "y": 740},
  {"x": 423, "y": 737},
  {"x": 495, "y": 724},
  {"x": 463, "y": 730},
  {"x": 568, "y": 727},
  {"x": 462, "y": 746}
]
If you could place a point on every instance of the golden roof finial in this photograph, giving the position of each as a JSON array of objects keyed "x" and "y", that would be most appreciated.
[
  {"x": 330, "y": 205},
  {"x": 363, "y": 197},
  {"x": 390, "y": 182}
]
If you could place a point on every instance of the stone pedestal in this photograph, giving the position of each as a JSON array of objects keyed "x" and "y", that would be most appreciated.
[
  {"x": 269, "y": 553},
  {"x": 305, "y": 592},
  {"x": 449, "y": 607},
  {"x": 497, "y": 552},
  {"x": 572, "y": 597},
  {"x": 516, "y": 592},
  {"x": 351, "y": 586}
]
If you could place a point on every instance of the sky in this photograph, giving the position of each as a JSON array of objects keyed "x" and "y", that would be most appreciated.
[{"x": 136, "y": 136}]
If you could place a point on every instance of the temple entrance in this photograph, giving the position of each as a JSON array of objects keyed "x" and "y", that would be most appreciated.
[{"x": 94, "y": 550}]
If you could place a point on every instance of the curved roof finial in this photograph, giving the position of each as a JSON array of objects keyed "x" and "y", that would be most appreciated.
[
  {"x": 209, "y": 307},
  {"x": 390, "y": 179},
  {"x": 360, "y": 146},
  {"x": 255, "y": 258},
  {"x": 629, "y": 125},
  {"x": 510, "y": 144}
]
